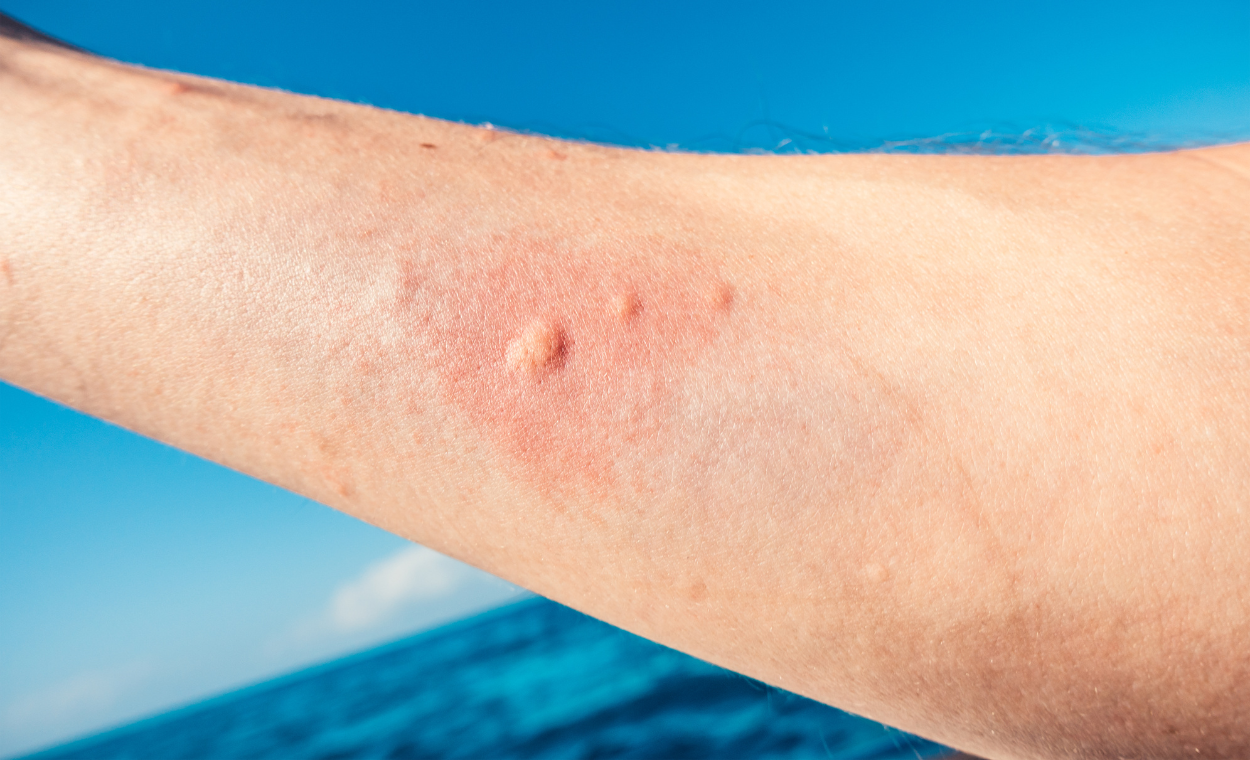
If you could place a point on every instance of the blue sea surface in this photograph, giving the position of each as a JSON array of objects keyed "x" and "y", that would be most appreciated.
[{"x": 532, "y": 680}]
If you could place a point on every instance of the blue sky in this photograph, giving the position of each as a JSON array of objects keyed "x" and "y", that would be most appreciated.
[{"x": 134, "y": 577}]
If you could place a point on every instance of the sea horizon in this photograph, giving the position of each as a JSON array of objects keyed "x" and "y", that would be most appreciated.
[{"x": 543, "y": 681}]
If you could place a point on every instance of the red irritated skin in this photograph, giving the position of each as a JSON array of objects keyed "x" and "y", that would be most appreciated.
[
  {"x": 602, "y": 374},
  {"x": 565, "y": 363},
  {"x": 625, "y": 366}
]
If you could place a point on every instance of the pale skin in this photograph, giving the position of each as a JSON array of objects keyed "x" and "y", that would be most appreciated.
[{"x": 961, "y": 444}]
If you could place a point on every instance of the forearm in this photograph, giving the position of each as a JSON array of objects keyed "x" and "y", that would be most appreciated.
[{"x": 910, "y": 436}]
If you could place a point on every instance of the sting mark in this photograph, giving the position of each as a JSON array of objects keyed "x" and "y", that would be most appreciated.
[
  {"x": 625, "y": 306},
  {"x": 328, "y": 119},
  {"x": 720, "y": 296},
  {"x": 6, "y": 271},
  {"x": 428, "y": 145},
  {"x": 876, "y": 573},
  {"x": 539, "y": 347},
  {"x": 336, "y": 481},
  {"x": 554, "y": 155},
  {"x": 487, "y": 132},
  {"x": 175, "y": 87}
]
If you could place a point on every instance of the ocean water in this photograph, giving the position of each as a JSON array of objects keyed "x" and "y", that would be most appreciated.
[{"x": 532, "y": 680}]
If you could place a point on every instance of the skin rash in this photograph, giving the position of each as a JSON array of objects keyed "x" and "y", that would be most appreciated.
[
  {"x": 568, "y": 359},
  {"x": 641, "y": 383}
]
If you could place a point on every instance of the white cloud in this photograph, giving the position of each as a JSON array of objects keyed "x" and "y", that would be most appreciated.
[
  {"x": 88, "y": 699},
  {"x": 86, "y": 693},
  {"x": 410, "y": 590},
  {"x": 407, "y": 591},
  {"x": 413, "y": 574}
]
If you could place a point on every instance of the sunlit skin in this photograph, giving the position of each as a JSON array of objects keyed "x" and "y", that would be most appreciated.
[{"x": 961, "y": 444}]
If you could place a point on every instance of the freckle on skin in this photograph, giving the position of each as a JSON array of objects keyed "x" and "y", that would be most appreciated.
[
  {"x": 537, "y": 348},
  {"x": 428, "y": 145},
  {"x": 554, "y": 155},
  {"x": 177, "y": 88}
]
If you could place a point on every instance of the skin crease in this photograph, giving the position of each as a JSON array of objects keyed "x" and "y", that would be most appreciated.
[{"x": 957, "y": 443}]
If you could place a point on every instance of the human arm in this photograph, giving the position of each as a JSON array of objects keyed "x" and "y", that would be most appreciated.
[{"x": 865, "y": 431}]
